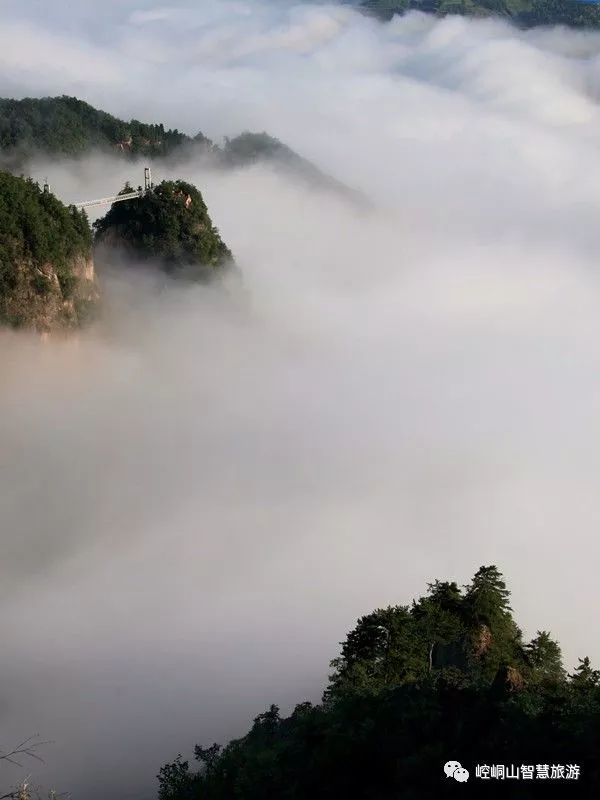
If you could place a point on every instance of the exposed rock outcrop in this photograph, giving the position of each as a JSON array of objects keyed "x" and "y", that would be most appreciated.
[
  {"x": 481, "y": 644},
  {"x": 508, "y": 680},
  {"x": 47, "y": 276},
  {"x": 38, "y": 301}
]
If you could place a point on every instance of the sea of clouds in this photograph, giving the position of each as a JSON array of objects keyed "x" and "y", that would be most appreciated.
[{"x": 199, "y": 497}]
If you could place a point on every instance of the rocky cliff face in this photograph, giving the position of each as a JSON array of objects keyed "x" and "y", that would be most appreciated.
[
  {"x": 37, "y": 299},
  {"x": 47, "y": 278}
]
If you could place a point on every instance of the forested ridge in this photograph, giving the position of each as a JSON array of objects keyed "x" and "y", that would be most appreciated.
[
  {"x": 524, "y": 13},
  {"x": 448, "y": 678},
  {"x": 66, "y": 127},
  {"x": 70, "y": 127}
]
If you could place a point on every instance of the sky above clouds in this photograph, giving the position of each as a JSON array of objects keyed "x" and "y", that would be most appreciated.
[{"x": 200, "y": 499}]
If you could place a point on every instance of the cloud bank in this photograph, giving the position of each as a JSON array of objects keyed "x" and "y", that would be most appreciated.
[{"x": 200, "y": 498}]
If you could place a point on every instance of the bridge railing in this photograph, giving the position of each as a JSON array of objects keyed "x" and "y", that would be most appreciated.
[{"x": 106, "y": 200}]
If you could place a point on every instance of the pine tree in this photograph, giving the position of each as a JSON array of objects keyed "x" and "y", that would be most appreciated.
[
  {"x": 495, "y": 641},
  {"x": 545, "y": 657},
  {"x": 487, "y": 597},
  {"x": 585, "y": 677}
]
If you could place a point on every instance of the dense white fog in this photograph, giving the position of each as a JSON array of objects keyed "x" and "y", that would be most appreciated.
[{"x": 199, "y": 498}]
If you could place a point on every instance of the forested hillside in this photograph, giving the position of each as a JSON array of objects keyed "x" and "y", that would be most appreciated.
[
  {"x": 46, "y": 269},
  {"x": 170, "y": 227},
  {"x": 525, "y": 13},
  {"x": 68, "y": 126},
  {"x": 447, "y": 678},
  {"x": 249, "y": 148},
  {"x": 47, "y": 274}
]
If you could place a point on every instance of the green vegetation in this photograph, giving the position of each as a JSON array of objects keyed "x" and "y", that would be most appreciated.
[
  {"x": 525, "y": 13},
  {"x": 170, "y": 226},
  {"x": 249, "y": 148},
  {"x": 45, "y": 249},
  {"x": 446, "y": 678},
  {"x": 68, "y": 126}
]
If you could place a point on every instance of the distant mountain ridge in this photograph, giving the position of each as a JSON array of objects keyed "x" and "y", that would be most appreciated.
[
  {"x": 523, "y": 13},
  {"x": 249, "y": 148},
  {"x": 68, "y": 127}
]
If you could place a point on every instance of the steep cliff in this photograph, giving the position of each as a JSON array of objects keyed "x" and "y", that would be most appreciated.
[
  {"x": 47, "y": 279},
  {"x": 168, "y": 227}
]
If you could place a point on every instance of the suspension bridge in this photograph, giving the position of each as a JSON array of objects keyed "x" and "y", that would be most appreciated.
[{"x": 118, "y": 198}]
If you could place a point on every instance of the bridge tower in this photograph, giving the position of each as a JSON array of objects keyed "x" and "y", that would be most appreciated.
[{"x": 119, "y": 198}]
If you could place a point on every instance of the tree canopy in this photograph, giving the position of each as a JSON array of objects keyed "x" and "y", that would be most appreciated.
[
  {"x": 525, "y": 13},
  {"x": 68, "y": 126},
  {"x": 169, "y": 226},
  {"x": 448, "y": 677},
  {"x": 40, "y": 242}
]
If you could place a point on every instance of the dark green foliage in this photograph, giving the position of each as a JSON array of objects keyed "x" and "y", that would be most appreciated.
[
  {"x": 585, "y": 678},
  {"x": 545, "y": 659},
  {"x": 36, "y": 225},
  {"x": 175, "y": 780},
  {"x": 169, "y": 225},
  {"x": 71, "y": 127},
  {"x": 395, "y": 712},
  {"x": 39, "y": 238},
  {"x": 525, "y": 13},
  {"x": 561, "y": 12},
  {"x": 248, "y": 147},
  {"x": 8, "y": 275},
  {"x": 385, "y": 9},
  {"x": 41, "y": 284}
]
